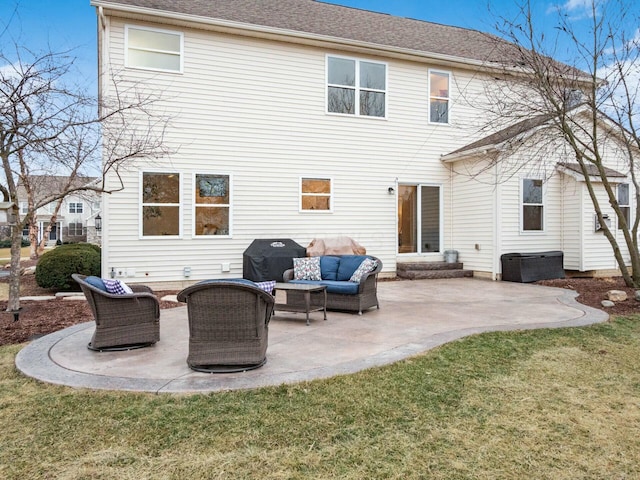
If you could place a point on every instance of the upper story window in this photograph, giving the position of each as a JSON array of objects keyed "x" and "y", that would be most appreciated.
[
  {"x": 24, "y": 208},
  {"x": 623, "y": 203},
  {"x": 212, "y": 204},
  {"x": 315, "y": 194},
  {"x": 439, "y": 96},
  {"x": 356, "y": 87},
  {"x": 153, "y": 49},
  {"x": 76, "y": 207},
  {"x": 532, "y": 205},
  {"x": 160, "y": 208}
]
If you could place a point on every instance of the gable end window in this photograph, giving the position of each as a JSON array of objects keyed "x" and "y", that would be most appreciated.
[
  {"x": 356, "y": 87},
  {"x": 315, "y": 195},
  {"x": 212, "y": 204},
  {"x": 153, "y": 49},
  {"x": 160, "y": 206},
  {"x": 532, "y": 205},
  {"x": 76, "y": 207},
  {"x": 623, "y": 203},
  {"x": 439, "y": 98}
]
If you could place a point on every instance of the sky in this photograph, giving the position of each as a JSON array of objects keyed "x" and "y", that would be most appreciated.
[{"x": 70, "y": 25}]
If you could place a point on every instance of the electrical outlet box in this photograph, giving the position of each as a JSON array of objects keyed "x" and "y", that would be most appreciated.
[
  {"x": 226, "y": 266},
  {"x": 131, "y": 272}
]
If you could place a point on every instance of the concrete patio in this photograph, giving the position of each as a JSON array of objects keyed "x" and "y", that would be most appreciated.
[{"x": 414, "y": 317}]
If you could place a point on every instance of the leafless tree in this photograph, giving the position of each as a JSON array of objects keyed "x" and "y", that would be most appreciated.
[
  {"x": 580, "y": 84},
  {"x": 49, "y": 127}
]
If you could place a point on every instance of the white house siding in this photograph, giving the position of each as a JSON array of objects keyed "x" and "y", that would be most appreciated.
[
  {"x": 474, "y": 214},
  {"x": 255, "y": 109}
]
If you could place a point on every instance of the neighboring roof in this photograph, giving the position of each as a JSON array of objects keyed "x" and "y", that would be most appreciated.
[
  {"x": 45, "y": 185},
  {"x": 575, "y": 171},
  {"x": 335, "y": 21}
]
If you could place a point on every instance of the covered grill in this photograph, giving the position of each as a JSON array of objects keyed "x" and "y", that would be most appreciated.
[{"x": 267, "y": 259}]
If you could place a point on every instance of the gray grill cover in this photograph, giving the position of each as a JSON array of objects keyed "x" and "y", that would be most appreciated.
[{"x": 267, "y": 259}]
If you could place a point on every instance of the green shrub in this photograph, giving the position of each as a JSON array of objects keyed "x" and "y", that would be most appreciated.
[
  {"x": 56, "y": 266},
  {"x": 7, "y": 243}
]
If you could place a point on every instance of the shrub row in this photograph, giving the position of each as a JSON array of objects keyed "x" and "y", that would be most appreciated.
[{"x": 56, "y": 266}]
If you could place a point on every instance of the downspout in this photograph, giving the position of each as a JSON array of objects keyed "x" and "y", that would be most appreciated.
[
  {"x": 451, "y": 216},
  {"x": 103, "y": 58},
  {"x": 581, "y": 223},
  {"x": 497, "y": 224}
]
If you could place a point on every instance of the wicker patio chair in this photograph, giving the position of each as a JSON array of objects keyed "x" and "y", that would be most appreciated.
[
  {"x": 123, "y": 322},
  {"x": 228, "y": 325}
]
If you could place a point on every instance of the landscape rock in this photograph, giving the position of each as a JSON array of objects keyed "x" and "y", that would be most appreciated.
[
  {"x": 616, "y": 295},
  {"x": 637, "y": 295},
  {"x": 608, "y": 303},
  {"x": 29, "y": 271}
]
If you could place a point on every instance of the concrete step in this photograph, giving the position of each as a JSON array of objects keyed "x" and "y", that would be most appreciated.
[
  {"x": 432, "y": 270},
  {"x": 402, "y": 266}
]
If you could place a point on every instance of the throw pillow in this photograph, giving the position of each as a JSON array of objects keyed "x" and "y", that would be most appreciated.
[
  {"x": 367, "y": 265},
  {"x": 96, "y": 282},
  {"x": 267, "y": 286},
  {"x": 116, "y": 287},
  {"x": 307, "y": 268}
]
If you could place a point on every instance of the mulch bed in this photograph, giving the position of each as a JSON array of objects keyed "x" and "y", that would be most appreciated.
[{"x": 37, "y": 318}]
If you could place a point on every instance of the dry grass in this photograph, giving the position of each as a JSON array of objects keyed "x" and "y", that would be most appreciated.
[
  {"x": 5, "y": 254},
  {"x": 546, "y": 404}
]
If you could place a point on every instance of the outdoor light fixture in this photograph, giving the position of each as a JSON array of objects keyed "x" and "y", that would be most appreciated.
[
  {"x": 8, "y": 213},
  {"x": 391, "y": 190},
  {"x": 98, "y": 222}
]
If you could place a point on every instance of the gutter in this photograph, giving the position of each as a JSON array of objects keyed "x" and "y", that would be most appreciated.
[
  {"x": 454, "y": 157},
  {"x": 299, "y": 37}
]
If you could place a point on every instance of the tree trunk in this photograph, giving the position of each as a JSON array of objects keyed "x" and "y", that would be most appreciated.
[
  {"x": 14, "y": 278},
  {"x": 33, "y": 241}
]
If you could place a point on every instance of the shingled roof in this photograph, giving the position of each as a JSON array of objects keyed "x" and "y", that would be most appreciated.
[
  {"x": 339, "y": 22},
  {"x": 500, "y": 136}
]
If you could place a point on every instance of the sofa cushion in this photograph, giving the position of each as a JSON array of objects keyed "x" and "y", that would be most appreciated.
[
  {"x": 348, "y": 265},
  {"x": 333, "y": 286},
  {"x": 96, "y": 282},
  {"x": 345, "y": 288},
  {"x": 329, "y": 267},
  {"x": 367, "y": 265},
  {"x": 307, "y": 268}
]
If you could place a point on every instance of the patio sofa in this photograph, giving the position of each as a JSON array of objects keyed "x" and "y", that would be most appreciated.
[{"x": 352, "y": 283}]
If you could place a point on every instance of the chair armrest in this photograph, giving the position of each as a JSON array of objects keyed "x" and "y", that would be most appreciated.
[{"x": 287, "y": 276}]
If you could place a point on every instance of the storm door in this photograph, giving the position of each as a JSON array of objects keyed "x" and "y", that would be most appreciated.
[{"x": 419, "y": 219}]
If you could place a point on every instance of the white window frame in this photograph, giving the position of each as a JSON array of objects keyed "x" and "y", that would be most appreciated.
[
  {"x": 75, "y": 207},
  {"x": 229, "y": 205},
  {"x": 522, "y": 205},
  {"x": 24, "y": 208},
  {"x": 626, "y": 205},
  {"x": 330, "y": 195},
  {"x": 167, "y": 52},
  {"x": 141, "y": 235},
  {"x": 448, "y": 99},
  {"x": 356, "y": 88}
]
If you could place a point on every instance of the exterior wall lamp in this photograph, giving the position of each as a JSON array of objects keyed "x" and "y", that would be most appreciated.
[
  {"x": 8, "y": 213},
  {"x": 391, "y": 190},
  {"x": 98, "y": 222}
]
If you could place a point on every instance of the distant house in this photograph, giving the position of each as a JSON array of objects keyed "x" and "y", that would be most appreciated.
[
  {"x": 300, "y": 119},
  {"x": 75, "y": 221}
]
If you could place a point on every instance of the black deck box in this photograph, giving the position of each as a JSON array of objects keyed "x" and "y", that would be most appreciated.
[
  {"x": 267, "y": 259},
  {"x": 531, "y": 267}
]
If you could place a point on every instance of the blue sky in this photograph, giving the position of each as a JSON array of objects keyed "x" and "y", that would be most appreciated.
[{"x": 71, "y": 24}]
